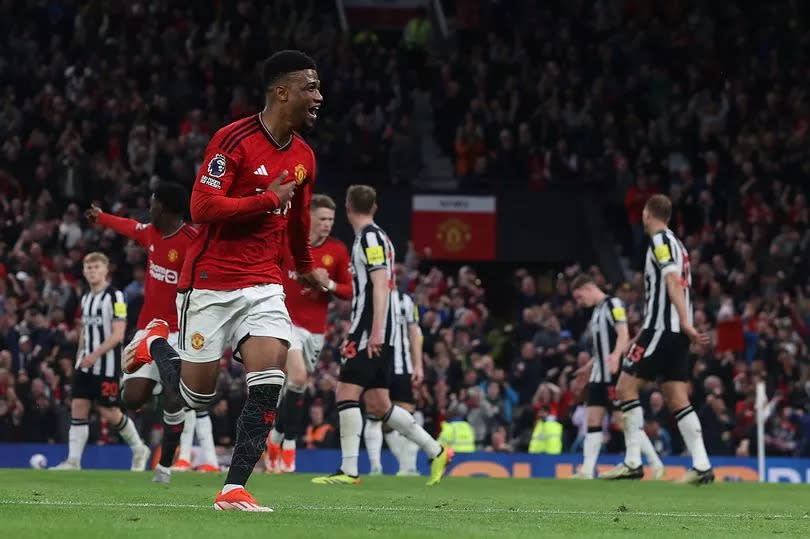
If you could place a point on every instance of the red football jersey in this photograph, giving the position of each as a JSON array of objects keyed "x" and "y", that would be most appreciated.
[
  {"x": 165, "y": 257},
  {"x": 243, "y": 230},
  {"x": 307, "y": 307}
]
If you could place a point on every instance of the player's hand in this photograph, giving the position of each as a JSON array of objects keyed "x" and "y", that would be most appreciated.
[
  {"x": 417, "y": 375},
  {"x": 323, "y": 276},
  {"x": 695, "y": 336},
  {"x": 283, "y": 190},
  {"x": 88, "y": 360},
  {"x": 613, "y": 362},
  {"x": 313, "y": 279},
  {"x": 375, "y": 344},
  {"x": 92, "y": 214}
]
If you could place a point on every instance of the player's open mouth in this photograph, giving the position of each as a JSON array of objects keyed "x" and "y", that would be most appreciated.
[{"x": 313, "y": 111}]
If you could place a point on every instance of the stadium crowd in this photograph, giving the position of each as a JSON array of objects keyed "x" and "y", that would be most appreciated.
[{"x": 619, "y": 96}]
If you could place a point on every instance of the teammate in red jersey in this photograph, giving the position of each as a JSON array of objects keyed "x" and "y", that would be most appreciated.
[
  {"x": 308, "y": 309},
  {"x": 166, "y": 239},
  {"x": 253, "y": 188}
]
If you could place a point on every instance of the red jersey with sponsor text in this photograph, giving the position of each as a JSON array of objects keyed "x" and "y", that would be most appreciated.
[
  {"x": 238, "y": 250},
  {"x": 165, "y": 257},
  {"x": 308, "y": 307}
]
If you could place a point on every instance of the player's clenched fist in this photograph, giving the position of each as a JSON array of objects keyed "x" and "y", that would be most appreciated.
[
  {"x": 283, "y": 190},
  {"x": 92, "y": 214}
]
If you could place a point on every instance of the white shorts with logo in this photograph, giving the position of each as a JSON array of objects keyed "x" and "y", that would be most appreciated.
[
  {"x": 310, "y": 345},
  {"x": 150, "y": 370},
  {"x": 211, "y": 320}
]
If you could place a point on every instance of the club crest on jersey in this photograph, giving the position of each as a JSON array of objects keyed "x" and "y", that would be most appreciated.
[
  {"x": 172, "y": 255},
  {"x": 197, "y": 340},
  {"x": 327, "y": 260},
  {"x": 300, "y": 173},
  {"x": 217, "y": 165}
]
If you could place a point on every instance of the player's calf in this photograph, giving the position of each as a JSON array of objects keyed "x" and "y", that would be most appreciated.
[{"x": 254, "y": 424}]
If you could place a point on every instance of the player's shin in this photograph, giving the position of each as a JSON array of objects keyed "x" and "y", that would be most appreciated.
[
  {"x": 294, "y": 415},
  {"x": 373, "y": 437},
  {"x": 590, "y": 450},
  {"x": 633, "y": 419},
  {"x": 172, "y": 430},
  {"x": 187, "y": 438},
  {"x": 77, "y": 439},
  {"x": 126, "y": 428},
  {"x": 168, "y": 362},
  {"x": 351, "y": 425},
  {"x": 400, "y": 420},
  {"x": 205, "y": 435},
  {"x": 689, "y": 425},
  {"x": 394, "y": 441},
  {"x": 254, "y": 424},
  {"x": 648, "y": 450}
]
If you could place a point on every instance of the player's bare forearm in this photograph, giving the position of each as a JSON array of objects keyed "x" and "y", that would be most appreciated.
[
  {"x": 211, "y": 208},
  {"x": 380, "y": 293},
  {"x": 676, "y": 296},
  {"x": 415, "y": 334}
]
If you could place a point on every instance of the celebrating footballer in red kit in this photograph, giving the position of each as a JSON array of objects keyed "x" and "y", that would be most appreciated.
[
  {"x": 308, "y": 309},
  {"x": 252, "y": 191}
]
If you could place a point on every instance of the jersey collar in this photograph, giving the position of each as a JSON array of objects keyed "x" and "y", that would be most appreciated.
[{"x": 271, "y": 138}]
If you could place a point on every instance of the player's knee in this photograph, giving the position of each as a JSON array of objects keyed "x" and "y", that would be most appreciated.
[
  {"x": 377, "y": 409},
  {"x": 194, "y": 399}
]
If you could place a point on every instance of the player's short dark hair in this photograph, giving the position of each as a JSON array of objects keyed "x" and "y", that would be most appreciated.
[
  {"x": 660, "y": 207},
  {"x": 173, "y": 197},
  {"x": 581, "y": 280},
  {"x": 284, "y": 62},
  {"x": 361, "y": 198},
  {"x": 322, "y": 201}
]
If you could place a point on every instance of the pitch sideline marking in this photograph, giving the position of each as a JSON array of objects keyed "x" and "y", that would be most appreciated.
[{"x": 389, "y": 509}]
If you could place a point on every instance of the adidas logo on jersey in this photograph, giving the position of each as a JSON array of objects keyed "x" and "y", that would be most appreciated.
[{"x": 261, "y": 171}]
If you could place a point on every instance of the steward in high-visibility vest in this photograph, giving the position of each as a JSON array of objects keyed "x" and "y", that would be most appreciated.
[
  {"x": 458, "y": 435},
  {"x": 547, "y": 435}
]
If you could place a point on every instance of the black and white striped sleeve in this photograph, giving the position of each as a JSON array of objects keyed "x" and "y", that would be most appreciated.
[
  {"x": 373, "y": 246},
  {"x": 664, "y": 253},
  {"x": 119, "y": 306},
  {"x": 618, "y": 314},
  {"x": 411, "y": 312}
]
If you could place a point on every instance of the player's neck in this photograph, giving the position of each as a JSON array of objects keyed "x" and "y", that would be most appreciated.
[
  {"x": 655, "y": 228},
  {"x": 280, "y": 129},
  {"x": 361, "y": 222},
  {"x": 96, "y": 288},
  {"x": 170, "y": 228},
  {"x": 317, "y": 241},
  {"x": 600, "y": 297}
]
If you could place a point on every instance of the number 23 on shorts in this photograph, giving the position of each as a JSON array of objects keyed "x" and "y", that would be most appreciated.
[
  {"x": 636, "y": 353},
  {"x": 348, "y": 349}
]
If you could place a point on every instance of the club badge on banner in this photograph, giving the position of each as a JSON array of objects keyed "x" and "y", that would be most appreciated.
[{"x": 455, "y": 227}]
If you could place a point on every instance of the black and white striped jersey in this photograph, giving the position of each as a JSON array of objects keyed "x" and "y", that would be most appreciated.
[
  {"x": 407, "y": 314},
  {"x": 372, "y": 251},
  {"x": 99, "y": 310},
  {"x": 665, "y": 254},
  {"x": 608, "y": 314}
]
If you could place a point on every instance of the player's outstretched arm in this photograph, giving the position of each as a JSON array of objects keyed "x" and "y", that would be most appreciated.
[{"x": 127, "y": 227}]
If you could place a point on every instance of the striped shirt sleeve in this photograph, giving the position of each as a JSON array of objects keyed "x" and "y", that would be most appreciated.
[
  {"x": 663, "y": 253},
  {"x": 373, "y": 249},
  {"x": 119, "y": 306},
  {"x": 618, "y": 314}
]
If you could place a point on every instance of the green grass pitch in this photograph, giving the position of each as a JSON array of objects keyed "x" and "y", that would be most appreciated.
[{"x": 88, "y": 504}]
